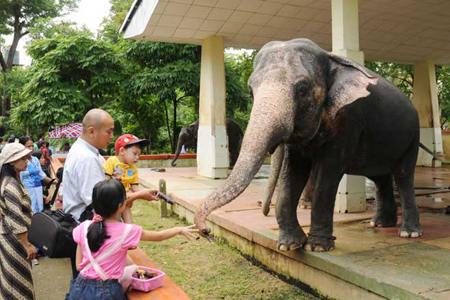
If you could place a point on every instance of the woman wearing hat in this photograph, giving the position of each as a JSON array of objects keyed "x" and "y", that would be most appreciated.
[{"x": 15, "y": 204}]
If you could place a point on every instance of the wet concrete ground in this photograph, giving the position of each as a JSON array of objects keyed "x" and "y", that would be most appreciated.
[{"x": 377, "y": 260}]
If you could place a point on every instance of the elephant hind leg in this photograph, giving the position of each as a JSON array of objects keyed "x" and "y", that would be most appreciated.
[
  {"x": 386, "y": 215},
  {"x": 306, "y": 197},
  {"x": 404, "y": 178}
]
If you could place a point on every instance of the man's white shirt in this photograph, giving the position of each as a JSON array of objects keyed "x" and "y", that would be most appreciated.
[{"x": 83, "y": 169}]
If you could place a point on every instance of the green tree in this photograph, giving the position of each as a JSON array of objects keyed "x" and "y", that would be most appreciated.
[
  {"x": 443, "y": 85},
  {"x": 17, "y": 18},
  {"x": 238, "y": 69},
  {"x": 169, "y": 73},
  {"x": 402, "y": 75},
  {"x": 69, "y": 76},
  {"x": 16, "y": 80}
]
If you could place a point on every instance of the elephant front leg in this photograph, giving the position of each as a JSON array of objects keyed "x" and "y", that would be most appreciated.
[
  {"x": 293, "y": 177},
  {"x": 325, "y": 180}
]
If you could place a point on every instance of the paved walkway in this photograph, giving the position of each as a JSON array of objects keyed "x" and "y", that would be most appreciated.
[
  {"x": 376, "y": 260},
  {"x": 51, "y": 278}
]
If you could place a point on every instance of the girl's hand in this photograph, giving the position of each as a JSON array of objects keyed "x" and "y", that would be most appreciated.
[
  {"x": 31, "y": 251},
  {"x": 186, "y": 231},
  {"x": 46, "y": 199}
]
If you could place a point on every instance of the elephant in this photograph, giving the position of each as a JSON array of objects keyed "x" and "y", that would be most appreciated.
[
  {"x": 333, "y": 117},
  {"x": 276, "y": 162},
  {"x": 188, "y": 139}
]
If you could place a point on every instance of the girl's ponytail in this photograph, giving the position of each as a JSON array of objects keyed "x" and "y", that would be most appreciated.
[
  {"x": 96, "y": 235},
  {"x": 106, "y": 198}
]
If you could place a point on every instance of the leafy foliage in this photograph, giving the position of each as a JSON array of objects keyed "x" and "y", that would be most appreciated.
[
  {"x": 238, "y": 69},
  {"x": 18, "y": 17},
  {"x": 402, "y": 76},
  {"x": 69, "y": 76},
  {"x": 399, "y": 74},
  {"x": 443, "y": 85}
]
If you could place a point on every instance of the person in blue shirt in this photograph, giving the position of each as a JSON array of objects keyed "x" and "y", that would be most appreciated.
[{"x": 33, "y": 178}]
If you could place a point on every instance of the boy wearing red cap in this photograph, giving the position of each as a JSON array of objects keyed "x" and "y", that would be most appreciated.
[{"x": 122, "y": 166}]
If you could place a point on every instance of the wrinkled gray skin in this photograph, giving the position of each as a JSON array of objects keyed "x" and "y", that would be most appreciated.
[
  {"x": 276, "y": 162},
  {"x": 189, "y": 133},
  {"x": 335, "y": 117}
]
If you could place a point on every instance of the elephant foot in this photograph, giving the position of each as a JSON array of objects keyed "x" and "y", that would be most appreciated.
[
  {"x": 410, "y": 230},
  {"x": 319, "y": 243},
  {"x": 291, "y": 240},
  {"x": 305, "y": 202},
  {"x": 384, "y": 220}
]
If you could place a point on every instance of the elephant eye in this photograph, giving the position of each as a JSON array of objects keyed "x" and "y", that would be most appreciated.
[{"x": 302, "y": 88}]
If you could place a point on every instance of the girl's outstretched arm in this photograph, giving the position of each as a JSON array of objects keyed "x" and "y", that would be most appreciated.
[{"x": 156, "y": 236}]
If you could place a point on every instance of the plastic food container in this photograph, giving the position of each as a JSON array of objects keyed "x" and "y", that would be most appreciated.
[{"x": 147, "y": 285}]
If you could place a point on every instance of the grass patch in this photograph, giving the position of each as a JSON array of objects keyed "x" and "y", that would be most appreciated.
[{"x": 207, "y": 270}]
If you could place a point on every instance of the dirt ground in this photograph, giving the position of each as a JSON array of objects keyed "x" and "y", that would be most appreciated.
[{"x": 51, "y": 278}]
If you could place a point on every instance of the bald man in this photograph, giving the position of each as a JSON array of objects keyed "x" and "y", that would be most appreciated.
[{"x": 83, "y": 168}]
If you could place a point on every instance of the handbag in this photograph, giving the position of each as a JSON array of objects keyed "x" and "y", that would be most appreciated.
[{"x": 51, "y": 230}]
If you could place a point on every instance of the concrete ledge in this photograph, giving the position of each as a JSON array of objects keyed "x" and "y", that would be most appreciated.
[
  {"x": 324, "y": 283},
  {"x": 366, "y": 264}
]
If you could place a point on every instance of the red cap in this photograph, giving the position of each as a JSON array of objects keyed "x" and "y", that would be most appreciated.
[{"x": 128, "y": 140}]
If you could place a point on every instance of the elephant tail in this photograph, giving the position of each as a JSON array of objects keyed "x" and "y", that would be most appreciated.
[{"x": 436, "y": 155}]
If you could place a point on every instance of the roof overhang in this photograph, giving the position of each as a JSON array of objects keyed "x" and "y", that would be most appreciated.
[{"x": 390, "y": 30}]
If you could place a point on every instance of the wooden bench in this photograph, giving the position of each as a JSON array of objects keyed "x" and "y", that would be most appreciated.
[{"x": 168, "y": 291}]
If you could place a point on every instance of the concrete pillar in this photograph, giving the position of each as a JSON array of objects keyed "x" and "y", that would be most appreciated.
[
  {"x": 351, "y": 196},
  {"x": 212, "y": 145},
  {"x": 425, "y": 100},
  {"x": 345, "y": 29}
]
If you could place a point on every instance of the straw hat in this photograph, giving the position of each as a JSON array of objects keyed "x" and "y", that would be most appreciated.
[{"x": 12, "y": 152}]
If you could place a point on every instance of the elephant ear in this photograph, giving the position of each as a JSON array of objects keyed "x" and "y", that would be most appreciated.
[
  {"x": 193, "y": 129},
  {"x": 348, "y": 82}
]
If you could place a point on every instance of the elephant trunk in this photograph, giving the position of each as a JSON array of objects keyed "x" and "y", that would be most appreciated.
[
  {"x": 180, "y": 144},
  {"x": 268, "y": 125}
]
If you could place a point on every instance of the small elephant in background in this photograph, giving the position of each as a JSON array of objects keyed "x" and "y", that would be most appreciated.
[{"x": 189, "y": 133}]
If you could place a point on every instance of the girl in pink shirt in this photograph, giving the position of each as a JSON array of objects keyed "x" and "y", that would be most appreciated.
[{"x": 103, "y": 244}]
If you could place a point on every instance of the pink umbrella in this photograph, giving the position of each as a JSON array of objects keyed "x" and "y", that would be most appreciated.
[{"x": 72, "y": 131}]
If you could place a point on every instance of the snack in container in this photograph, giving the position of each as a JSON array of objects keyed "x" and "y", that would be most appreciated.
[{"x": 152, "y": 279}]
